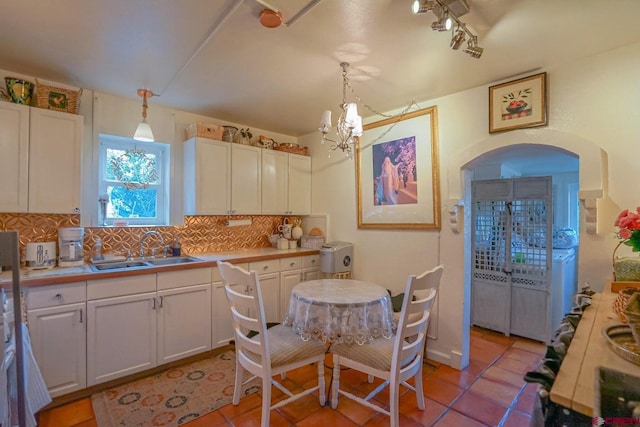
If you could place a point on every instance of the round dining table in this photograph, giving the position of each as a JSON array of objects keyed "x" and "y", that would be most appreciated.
[{"x": 341, "y": 310}]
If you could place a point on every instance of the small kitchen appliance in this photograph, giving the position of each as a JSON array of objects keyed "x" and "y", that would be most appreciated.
[
  {"x": 41, "y": 255},
  {"x": 336, "y": 257},
  {"x": 70, "y": 241}
]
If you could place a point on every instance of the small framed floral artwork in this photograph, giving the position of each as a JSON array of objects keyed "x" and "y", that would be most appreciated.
[{"x": 518, "y": 104}]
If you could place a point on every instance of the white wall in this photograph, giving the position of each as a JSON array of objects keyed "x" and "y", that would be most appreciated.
[{"x": 591, "y": 110}]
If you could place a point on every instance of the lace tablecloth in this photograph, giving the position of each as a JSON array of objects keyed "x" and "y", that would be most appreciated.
[{"x": 340, "y": 310}]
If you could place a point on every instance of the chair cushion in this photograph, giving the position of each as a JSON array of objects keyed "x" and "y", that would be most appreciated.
[
  {"x": 376, "y": 354},
  {"x": 287, "y": 347}
]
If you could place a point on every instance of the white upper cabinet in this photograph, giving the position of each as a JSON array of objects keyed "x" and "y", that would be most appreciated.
[
  {"x": 55, "y": 146},
  {"x": 40, "y": 162},
  {"x": 14, "y": 146},
  {"x": 221, "y": 178},
  {"x": 207, "y": 177},
  {"x": 245, "y": 179},
  {"x": 286, "y": 183}
]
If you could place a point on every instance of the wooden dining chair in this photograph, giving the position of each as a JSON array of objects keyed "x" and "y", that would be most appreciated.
[
  {"x": 394, "y": 360},
  {"x": 270, "y": 352}
]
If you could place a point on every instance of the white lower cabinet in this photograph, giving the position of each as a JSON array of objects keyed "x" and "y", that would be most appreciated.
[
  {"x": 121, "y": 327},
  {"x": 221, "y": 324},
  {"x": 269, "y": 276},
  {"x": 293, "y": 271},
  {"x": 57, "y": 327},
  {"x": 134, "y": 323},
  {"x": 184, "y": 313}
]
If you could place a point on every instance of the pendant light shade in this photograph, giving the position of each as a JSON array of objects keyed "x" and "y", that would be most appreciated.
[{"x": 143, "y": 131}]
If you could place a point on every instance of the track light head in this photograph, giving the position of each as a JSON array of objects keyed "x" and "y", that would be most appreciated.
[
  {"x": 442, "y": 24},
  {"x": 422, "y": 6},
  {"x": 457, "y": 39},
  {"x": 473, "y": 49}
]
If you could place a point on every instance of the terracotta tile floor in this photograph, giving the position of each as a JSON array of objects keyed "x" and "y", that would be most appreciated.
[{"x": 490, "y": 392}]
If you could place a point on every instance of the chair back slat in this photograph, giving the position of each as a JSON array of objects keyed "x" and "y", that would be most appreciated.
[
  {"x": 411, "y": 336},
  {"x": 243, "y": 293}
]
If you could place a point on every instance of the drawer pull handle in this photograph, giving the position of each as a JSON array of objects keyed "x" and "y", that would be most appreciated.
[
  {"x": 154, "y": 304},
  {"x": 292, "y": 264},
  {"x": 81, "y": 317},
  {"x": 161, "y": 301},
  {"x": 58, "y": 297},
  {"x": 265, "y": 267}
]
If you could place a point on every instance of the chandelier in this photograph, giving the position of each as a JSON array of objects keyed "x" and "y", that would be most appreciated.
[{"x": 349, "y": 125}]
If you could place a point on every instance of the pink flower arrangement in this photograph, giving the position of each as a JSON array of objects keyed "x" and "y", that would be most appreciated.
[{"x": 628, "y": 224}]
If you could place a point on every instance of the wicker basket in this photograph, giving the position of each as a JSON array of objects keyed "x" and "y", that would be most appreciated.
[
  {"x": 56, "y": 98},
  {"x": 626, "y": 268},
  {"x": 632, "y": 311},
  {"x": 204, "y": 130},
  {"x": 290, "y": 148}
]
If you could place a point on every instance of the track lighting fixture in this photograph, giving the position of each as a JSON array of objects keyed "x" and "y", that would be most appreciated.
[{"x": 448, "y": 11}]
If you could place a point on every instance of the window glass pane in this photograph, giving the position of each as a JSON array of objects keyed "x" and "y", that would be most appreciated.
[
  {"x": 134, "y": 203},
  {"x": 132, "y": 166}
]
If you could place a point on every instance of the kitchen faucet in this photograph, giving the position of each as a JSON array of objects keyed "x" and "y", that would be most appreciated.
[{"x": 144, "y": 236}]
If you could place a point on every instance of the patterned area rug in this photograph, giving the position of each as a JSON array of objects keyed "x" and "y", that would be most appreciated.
[{"x": 171, "y": 397}]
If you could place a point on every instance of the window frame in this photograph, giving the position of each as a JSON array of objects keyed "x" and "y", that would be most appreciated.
[{"x": 162, "y": 151}]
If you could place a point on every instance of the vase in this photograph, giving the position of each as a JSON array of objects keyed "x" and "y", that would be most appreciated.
[{"x": 626, "y": 269}]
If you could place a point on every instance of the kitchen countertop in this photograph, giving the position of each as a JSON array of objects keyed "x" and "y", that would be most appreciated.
[{"x": 57, "y": 275}]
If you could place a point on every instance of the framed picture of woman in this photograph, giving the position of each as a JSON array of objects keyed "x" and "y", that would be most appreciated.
[{"x": 398, "y": 173}]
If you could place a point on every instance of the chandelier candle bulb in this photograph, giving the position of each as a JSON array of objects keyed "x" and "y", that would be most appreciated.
[{"x": 325, "y": 122}]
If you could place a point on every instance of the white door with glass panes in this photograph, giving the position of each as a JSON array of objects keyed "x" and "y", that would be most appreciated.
[{"x": 511, "y": 262}]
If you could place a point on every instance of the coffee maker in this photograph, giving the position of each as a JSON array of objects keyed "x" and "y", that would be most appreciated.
[{"x": 70, "y": 240}]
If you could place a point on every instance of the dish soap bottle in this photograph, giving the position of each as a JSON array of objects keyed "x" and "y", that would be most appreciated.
[
  {"x": 97, "y": 250},
  {"x": 175, "y": 247}
]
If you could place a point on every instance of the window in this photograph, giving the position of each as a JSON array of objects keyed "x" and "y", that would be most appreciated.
[{"x": 133, "y": 181}]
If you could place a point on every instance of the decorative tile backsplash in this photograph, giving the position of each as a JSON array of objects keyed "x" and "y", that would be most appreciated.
[{"x": 199, "y": 234}]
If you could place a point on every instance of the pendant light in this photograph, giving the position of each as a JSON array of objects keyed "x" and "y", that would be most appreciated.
[{"x": 143, "y": 132}]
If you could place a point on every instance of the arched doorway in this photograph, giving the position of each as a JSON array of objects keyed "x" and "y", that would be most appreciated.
[{"x": 592, "y": 170}]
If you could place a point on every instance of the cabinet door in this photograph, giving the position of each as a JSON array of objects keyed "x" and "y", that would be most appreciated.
[
  {"x": 14, "y": 146},
  {"x": 311, "y": 274},
  {"x": 207, "y": 177},
  {"x": 299, "y": 185},
  {"x": 184, "y": 322},
  {"x": 55, "y": 146},
  {"x": 121, "y": 336},
  {"x": 222, "y": 326},
  {"x": 275, "y": 182},
  {"x": 288, "y": 279},
  {"x": 246, "y": 196},
  {"x": 58, "y": 339},
  {"x": 270, "y": 285}
]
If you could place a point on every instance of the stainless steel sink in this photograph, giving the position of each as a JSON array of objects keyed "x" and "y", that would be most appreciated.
[
  {"x": 124, "y": 265},
  {"x": 172, "y": 260}
]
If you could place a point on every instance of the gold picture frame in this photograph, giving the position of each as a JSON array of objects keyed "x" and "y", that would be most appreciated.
[
  {"x": 518, "y": 104},
  {"x": 398, "y": 173}
]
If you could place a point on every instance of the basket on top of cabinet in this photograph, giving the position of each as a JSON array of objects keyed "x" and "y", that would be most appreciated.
[
  {"x": 204, "y": 130},
  {"x": 57, "y": 98}
]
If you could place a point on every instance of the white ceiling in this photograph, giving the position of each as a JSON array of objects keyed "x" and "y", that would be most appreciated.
[{"x": 212, "y": 57}]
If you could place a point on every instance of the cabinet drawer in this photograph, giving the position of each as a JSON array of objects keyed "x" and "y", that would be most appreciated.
[
  {"x": 215, "y": 273},
  {"x": 51, "y": 296},
  {"x": 293, "y": 263},
  {"x": 268, "y": 266},
  {"x": 181, "y": 278},
  {"x": 311, "y": 261},
  {"x": 120, "y": 286}
]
